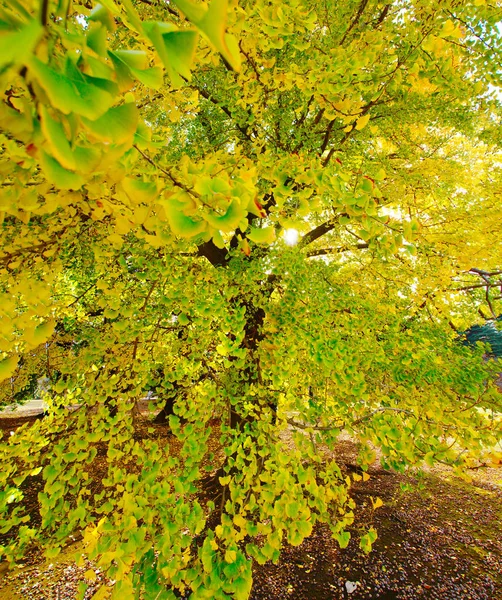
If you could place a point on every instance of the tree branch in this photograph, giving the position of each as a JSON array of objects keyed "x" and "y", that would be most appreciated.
[
  {"x": 316, "y": 233},
  {"x": 226, "y": 110},
  {"x": 355, "y": 20},
  {"x": 326, "y": 137},
  {"x": 356, "y": 422},
  {"x": 339, "y": 250},
  {"x": 218, "y": 257},
  {"x": 169, "y": 174},
  {"x": 382, "y": 16}
]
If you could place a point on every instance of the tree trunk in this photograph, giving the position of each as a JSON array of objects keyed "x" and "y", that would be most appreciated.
[
  {"x": 168, "y": 409},
  {"x": 251, "y": 373}
]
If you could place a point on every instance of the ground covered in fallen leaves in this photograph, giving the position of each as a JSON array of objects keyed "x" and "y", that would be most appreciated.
[{"x": 441, "y": 539}]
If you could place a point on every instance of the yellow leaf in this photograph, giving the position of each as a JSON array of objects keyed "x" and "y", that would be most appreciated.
[
  {"x": 116, "y": 240},
  {"x": 90, "y": 575},
  {"x": 262, "y": 236},
  {"x": 376, "y": 503},
  {"x": 8, "y": 366},
  {"x": 230, "y": 556},
  {"x": 102, "y": 593},
  {"x": 362, "y": 122},
  {"x": 41, "y": 333},
  {"x": 140, "y": 191}
]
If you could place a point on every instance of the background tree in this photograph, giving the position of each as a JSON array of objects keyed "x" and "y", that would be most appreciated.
[{"x": 160, "y": 160}]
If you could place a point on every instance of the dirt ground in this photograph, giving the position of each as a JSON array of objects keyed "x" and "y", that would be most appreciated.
[{"x": 440, "y": 540}]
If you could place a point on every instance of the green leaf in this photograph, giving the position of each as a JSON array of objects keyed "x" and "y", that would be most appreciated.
[
  {"x": 230, "y": 220},
  {"x": 50, "y": 473},
  {"x": 52, "y": 552},
  {"x": 295, "y": 538},
  {"x": 44, "y": 331},
  {"x": 152, "y": 78},
  {"x": 242, "y": 586},
  {"x": 183, "y": 319},
  {"x": 175, "y": 48},
  {"x": 17, "y": 46},
  {"x": 192, "y": 11},
  {"x": 96, "y": 39},
  {"x": 118, "y": 125},
  {"x": 368, "y": 540},
  {"x": 140, "y": 192},
  {"x": 56, "y": 174},
  {"x": 58, "y": 143},
  {"x": 292, "y": 509},
  {"x": 103, "y": 14},
  {"x": 180, "y": 47},
  {"x": 133, "y": 59},
  {"x": 133, "y": 64},
  {"x": 183, "y": 225},
  {"x": 81, "y": 94},
  {"x": 266, "y": 235},
  {"x": 132, "y": 15},
  {"x": 304, "y": 527},
  {"x": 87, "y": 158},
  {"x": 212, "y": 23},
  {"x": 343, "y": 538},
  {"x": 79, "y": 513}
]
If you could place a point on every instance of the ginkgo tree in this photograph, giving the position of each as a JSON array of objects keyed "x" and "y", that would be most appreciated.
[{"x": 277, "y": 216}]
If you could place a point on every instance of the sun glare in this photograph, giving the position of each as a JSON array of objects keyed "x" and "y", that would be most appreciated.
[{"x": 291, "y": 237}]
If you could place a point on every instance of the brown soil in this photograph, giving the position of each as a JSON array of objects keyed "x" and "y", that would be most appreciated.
[{"x": 441, "y": 540}]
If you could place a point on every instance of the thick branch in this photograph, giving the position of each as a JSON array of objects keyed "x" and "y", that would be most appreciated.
[
  {"x": 216, "y": 256},
  {"x": 44, "y": 13},
  {"x": 316, "y": 233}
]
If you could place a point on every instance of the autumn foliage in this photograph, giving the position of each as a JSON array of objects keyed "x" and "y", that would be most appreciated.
[{"x": 277, "y": 217}]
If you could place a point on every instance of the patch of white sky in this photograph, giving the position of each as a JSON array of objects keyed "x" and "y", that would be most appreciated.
[
  {"x": 82, "y": 19},
  {"x": 291, "y": 236}
]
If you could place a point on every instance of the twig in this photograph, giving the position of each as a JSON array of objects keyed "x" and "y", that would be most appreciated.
[{"x": 168, "y": 173}]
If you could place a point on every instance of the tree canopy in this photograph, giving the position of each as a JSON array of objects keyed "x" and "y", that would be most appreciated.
[{"x": 277, "y": 217}]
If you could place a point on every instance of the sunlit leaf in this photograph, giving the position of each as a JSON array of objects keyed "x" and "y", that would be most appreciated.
[
  {"x": 117, "y": 125},
  {"x": 80, "y": 94}
]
